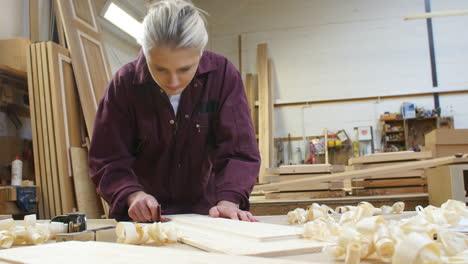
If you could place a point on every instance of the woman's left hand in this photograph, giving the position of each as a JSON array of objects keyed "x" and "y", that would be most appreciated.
[{"x": 231, "y": 210}]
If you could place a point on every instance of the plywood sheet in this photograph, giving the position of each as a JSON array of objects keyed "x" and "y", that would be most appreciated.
[
  {"x": 252, "y": 230},
  {"x": 219, "y": 242},
  {"x": 90, "y": 62},
  {"x": 102, "y": 252}
]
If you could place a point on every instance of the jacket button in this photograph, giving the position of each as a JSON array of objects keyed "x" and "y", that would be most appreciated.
[
  {"x": 187, "y": 116},
  {"x": 196, "y": 85},
  {"x": 172, "y": 122},
  {"x": 179, "y": 165}
]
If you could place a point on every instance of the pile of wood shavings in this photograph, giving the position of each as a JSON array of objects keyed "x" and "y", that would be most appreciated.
[
  {"x": 158, "y": 234},
  {"x": 31, "y": 233},
  {"x": 424, "y": 238}
]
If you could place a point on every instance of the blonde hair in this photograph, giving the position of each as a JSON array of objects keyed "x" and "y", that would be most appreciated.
[{"x": 174, "y": 22}]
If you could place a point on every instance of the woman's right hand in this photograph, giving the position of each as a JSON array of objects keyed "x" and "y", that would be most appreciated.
[{"x": 142, "y": 207}]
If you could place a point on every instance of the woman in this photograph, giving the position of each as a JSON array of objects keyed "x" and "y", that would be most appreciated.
[{"x": 174, "y": 128}]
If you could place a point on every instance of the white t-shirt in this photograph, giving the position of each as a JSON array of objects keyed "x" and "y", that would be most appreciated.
[{"x": 174, "y": 99}]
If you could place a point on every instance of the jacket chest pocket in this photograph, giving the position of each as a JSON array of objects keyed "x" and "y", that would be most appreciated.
[
  {"x": 145, "y": 137},
  {"x": 202, "y": 129}
]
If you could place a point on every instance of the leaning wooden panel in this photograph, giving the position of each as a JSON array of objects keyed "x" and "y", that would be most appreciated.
[
  {"x": 66, "y": 111},
  {"x": 51, "y": 132},
  {"x": 90, "y": 63},
  {"x": 38, "y": 100},
  {"x": 35, "y": 137},
  {"x": 86, "y": 197}
]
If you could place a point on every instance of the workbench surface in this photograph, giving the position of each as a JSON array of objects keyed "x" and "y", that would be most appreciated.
[{"x": 276, "y": 219}]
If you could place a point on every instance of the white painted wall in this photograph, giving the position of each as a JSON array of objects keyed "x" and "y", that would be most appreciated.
[
  {"x": 14, "y": 19},
  {"x": 334, "y": 49}
]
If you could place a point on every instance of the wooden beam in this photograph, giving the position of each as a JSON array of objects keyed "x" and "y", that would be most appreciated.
[
  {"x": 34, "y": 20},
  {"x": 305, "y": 168},
  {"x": 265, "y": 111},
  {"x": 251, "y": 92},
  {"x": 436, "y": 14},
  {"x": 359, "y": 174}
]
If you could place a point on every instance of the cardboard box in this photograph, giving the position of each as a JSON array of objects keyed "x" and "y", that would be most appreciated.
[{"x": 445, "y": 142}]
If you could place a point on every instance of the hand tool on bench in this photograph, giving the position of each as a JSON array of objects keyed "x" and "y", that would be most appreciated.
[{"x": 77, "y": 228}]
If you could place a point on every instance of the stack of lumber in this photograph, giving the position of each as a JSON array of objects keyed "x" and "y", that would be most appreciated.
[
  {"x": 65, "y": 87},
  {"x": 404, "y": 182},
  {"x": 286, "y": 173},
  {"x": 56, "y": 122},
  {"x": 276, "y": 190},
  {"x": 444, "y": 142}
]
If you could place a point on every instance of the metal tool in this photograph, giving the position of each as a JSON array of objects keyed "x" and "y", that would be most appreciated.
[{"x": 76, "y": 221}]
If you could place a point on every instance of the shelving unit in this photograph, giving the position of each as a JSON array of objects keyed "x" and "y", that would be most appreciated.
[{"x": 401, "y": 134}]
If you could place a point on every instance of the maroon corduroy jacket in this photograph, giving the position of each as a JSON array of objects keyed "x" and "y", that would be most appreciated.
[{"x": 189, "y": 162}]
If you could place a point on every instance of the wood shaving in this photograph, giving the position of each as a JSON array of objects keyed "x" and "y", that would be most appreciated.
[
  {"x": 137, "y": 234},
  {"x": 360, "y": 235}
]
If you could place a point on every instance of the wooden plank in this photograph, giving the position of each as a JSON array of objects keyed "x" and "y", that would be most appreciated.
[
  {"x": 386, "y": 191},
  {"x": 306, "y": 168},
  {"x": 38, "y": 100},
  {"x": 59, "y": 25},
  {"x": 87, "y": 199},
  {"x": 265, "y": 128},
  {"x": 34, "y": 20},
  {"x": 58, "y": 195},
  {"x": 247, "y": 230},
  {"x": 305, "y": 195},
  {"x": 360, "y": 174},
  {"x": 391, "y": 156},
  {"x": 90, "y": 62},
  {"x": 251, "y": 96},
  {"x": 103, "y": 252},
  {"x": 66, "y": 111},
  {"x": 436, "y": 14},
  {"x": 389, "y": 182},
  {"x": 213, "y": 241},
  {"x": 35, "y": 138}
]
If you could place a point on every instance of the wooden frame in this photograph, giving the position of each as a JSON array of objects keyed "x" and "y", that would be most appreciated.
[{"x": 90, "y": 63}]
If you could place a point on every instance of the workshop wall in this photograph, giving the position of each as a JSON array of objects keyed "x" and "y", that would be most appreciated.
[{"x": 324, "y": 50}]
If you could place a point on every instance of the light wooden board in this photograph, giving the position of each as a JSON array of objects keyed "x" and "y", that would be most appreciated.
[
  {"x": 57, "y": 195},
  {"x": 35, "y": 138},
  {"x": 87, "y": 199},
  {"x": 437, "y": 14},
  {"x": 66, "y": 112},
  {"x": 218, "y": 242},
  {"x": 306, "y": 168},
  {"x": 391, "y": 156},
  {"x": 38, "y": 100},
  {"x": 251, "y": 91},
  {"x": 445, "y": 136},
  {"x": 389, "y": 182},
  {"x": 252, "y": 230},
  {"x": 386, "y": 191},
  {"x": 34, "y": 20},
  {"x": 305, "y": 195},
  {"x": 75, "y": 252},
  {"x": 360, "y": 174},
  {"x": 90, "y": 62},
  {"x": 265, "y": 128},
  {"x": 13, "y": 53},
  {"x": 447, "y": 182}
]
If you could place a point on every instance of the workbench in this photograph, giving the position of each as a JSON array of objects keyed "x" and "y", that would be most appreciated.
[{"x": 276, "y": 219}]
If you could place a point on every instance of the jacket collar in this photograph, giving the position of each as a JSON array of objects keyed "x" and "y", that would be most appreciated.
[{"x": 142, "y": 74}]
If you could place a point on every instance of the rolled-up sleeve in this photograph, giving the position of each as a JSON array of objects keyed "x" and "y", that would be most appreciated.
[
  {"x": 237, "y": 159},
  {"x": 110, "y": 153}
]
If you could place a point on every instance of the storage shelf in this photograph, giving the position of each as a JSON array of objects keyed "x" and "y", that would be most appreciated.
[{"x": 394, "y": 131}]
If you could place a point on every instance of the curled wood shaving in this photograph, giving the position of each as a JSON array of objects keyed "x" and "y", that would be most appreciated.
[
  {"x": 405, "y": 241},
  {"x": 137, "y": 234}
]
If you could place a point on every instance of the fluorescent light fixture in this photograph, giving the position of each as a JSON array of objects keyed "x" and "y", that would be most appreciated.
[{"x": 123, "y": 20}]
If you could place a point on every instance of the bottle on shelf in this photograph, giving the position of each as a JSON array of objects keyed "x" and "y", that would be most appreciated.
[{"x": 16, "y": 171}]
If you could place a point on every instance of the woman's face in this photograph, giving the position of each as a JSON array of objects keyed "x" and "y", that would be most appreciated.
[{"x": 173, "y": 68}]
